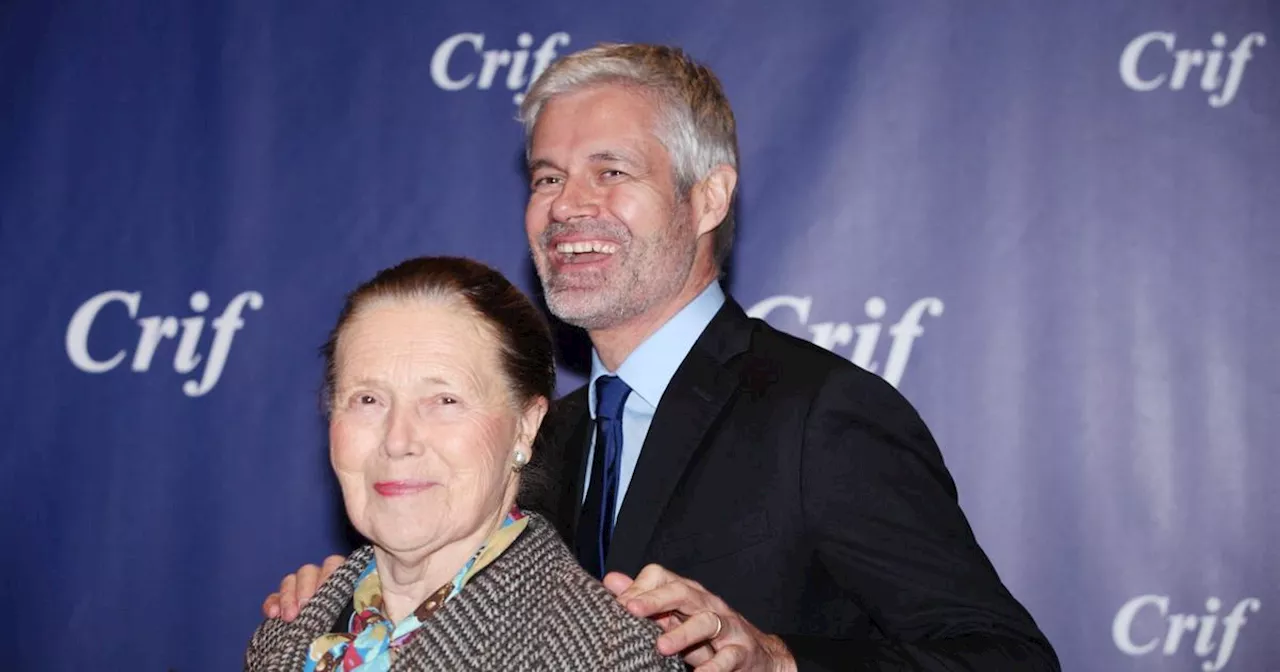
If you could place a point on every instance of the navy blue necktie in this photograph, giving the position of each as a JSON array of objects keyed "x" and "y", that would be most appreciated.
[{"x": 595, "y": 525}]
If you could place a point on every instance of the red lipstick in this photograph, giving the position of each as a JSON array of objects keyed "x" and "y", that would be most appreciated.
[{"x": 401, "y": 488}]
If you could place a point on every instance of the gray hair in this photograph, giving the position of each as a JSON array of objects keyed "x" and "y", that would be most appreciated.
[{"x": 697, "y": 127}]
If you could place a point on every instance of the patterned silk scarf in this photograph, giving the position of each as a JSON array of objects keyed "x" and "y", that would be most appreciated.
[{"x": 372, "y": 641}]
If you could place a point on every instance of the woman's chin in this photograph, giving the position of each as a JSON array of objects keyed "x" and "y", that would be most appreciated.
[
  {"x": 399, "y": 525},
  {"x": 402, "y": 535},
  {"x": 405, "y": 541}
]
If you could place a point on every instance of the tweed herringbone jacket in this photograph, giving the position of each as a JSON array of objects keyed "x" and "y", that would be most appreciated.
[{"x": 534, "y": 608}]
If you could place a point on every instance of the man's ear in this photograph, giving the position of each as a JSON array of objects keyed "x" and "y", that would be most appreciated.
[{"x": 711, "y": 197}]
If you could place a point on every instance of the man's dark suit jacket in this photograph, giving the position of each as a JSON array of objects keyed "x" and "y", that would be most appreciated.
[{"x": 809, "y": 495}]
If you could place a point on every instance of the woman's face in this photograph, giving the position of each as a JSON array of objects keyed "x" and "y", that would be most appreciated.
[{"x": 424, "y": 427}]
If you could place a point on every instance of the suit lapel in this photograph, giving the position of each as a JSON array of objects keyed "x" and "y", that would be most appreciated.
[
  {"x": 576, "y": 467},
  {"x": 697, "y": 394},
  {"x": 564, "y": 438}
]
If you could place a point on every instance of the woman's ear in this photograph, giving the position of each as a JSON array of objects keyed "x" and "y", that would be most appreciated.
[{"x": 528, "y": 425}]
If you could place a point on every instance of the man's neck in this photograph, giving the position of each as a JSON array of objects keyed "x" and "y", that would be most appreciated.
[{"x": 615, "y": 344}]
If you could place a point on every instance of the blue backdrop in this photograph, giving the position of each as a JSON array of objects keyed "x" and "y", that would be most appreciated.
[{"x": 1053, "y": 227}]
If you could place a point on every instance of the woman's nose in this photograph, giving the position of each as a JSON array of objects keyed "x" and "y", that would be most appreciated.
[{"x": 404, "y": 432}]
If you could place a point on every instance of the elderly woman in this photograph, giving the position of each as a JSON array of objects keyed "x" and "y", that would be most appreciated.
[{"x": 438, "y": 374}]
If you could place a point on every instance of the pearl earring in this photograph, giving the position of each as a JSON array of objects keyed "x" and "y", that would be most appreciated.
[{"x": 520, "y": 460}]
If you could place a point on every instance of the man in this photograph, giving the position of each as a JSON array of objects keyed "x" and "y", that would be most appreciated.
[{"x": 771, "y": 505}]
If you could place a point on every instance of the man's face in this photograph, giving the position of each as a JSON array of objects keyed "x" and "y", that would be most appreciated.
[{"x": 609, "y": 236}]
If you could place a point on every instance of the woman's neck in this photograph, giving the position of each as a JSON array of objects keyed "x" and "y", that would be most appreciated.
[{"x": 409, "y": 579}]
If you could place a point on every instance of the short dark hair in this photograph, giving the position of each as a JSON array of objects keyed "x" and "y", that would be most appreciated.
[{"x": 523, "y": 335}]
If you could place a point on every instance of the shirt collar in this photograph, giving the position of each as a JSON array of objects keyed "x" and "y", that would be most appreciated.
[{"x": 649, "y": 368}]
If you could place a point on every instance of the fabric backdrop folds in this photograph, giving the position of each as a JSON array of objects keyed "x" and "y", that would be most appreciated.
[{"x": 1058, "y": 242}]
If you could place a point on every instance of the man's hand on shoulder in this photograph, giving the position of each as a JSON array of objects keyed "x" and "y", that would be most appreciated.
[
  {"x": 298, "y": 588},
  {"x": 710, "y": 635}
]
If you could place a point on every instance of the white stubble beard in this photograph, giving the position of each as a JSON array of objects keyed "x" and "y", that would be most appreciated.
[{"x": 645, "y": 273}]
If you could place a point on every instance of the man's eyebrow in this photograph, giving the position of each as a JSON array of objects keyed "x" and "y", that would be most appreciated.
[
  {"x": 539, "y": 164},
  {"x": 606, "y": 156},
  {"x": 610, "y": 155}
]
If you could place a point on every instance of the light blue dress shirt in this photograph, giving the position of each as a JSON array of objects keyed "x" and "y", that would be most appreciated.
[{"x": 647, "y": 371}]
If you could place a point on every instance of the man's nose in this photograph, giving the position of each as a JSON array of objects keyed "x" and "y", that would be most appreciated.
[{"x": 577, "y": 200}]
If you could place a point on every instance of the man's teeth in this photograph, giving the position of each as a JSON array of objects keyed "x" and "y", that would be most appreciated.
[{"x": 591, "y": 246}]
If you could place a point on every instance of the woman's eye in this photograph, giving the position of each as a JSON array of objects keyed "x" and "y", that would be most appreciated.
[{"x": 446, "y": 399}]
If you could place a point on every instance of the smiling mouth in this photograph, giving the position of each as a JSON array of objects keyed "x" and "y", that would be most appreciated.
[
  {"x": 401, "y": 488},
  {"x": 585, "y": 252},
  {"x": 587, "y": 246}
]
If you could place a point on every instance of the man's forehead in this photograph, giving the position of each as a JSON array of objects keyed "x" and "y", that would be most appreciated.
[
  {"x": 595, "y": 110},
  {"x": 594, "y": 144}
]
